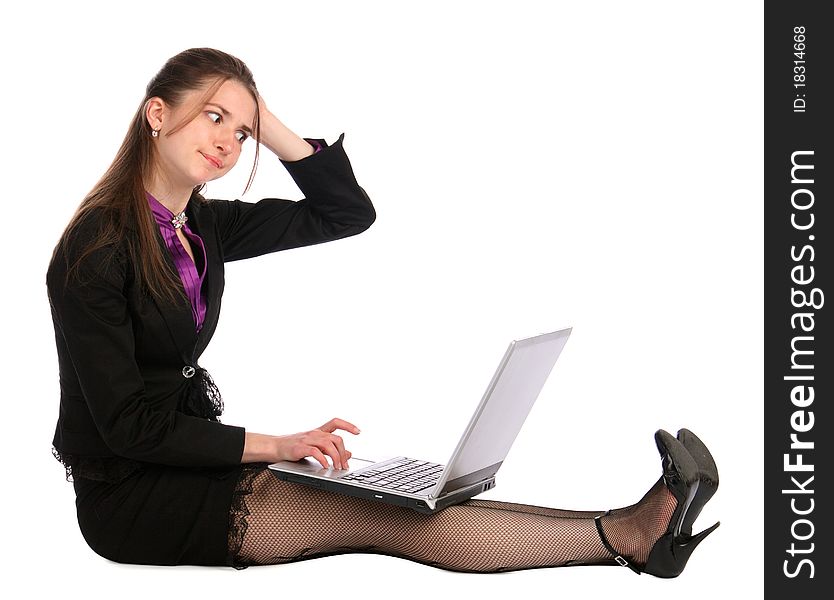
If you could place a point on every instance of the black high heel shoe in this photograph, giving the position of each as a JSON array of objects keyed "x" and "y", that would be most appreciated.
[
  {"x": 681, "y": 474},
  {"x": 708, "y": 475}
]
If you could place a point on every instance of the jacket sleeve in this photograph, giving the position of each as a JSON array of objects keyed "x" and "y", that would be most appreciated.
[
  {"x": 334, "y": 206},
  {"x": 93, "y": 319}
]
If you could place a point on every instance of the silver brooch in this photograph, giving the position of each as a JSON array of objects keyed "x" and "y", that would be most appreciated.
[{"x": 179, "y": 220}]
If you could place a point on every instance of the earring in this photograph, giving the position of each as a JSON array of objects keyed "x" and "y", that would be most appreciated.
[{"x": 155, "y": 133}]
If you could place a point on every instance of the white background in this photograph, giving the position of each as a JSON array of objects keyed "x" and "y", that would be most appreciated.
[{"x": 533, "y": 165}]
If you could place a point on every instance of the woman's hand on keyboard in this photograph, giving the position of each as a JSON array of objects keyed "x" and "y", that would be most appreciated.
[{"x": 318, "y": 443}]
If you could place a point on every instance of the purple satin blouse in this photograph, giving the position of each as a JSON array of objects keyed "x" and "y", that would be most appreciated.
[{"x": 192, "y": 280}]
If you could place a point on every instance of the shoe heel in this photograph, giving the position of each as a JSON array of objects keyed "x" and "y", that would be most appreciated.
[{"x": 669, "y": 555}]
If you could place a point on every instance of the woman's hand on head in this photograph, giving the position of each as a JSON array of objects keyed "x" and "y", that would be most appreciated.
[
  {"x": 263, "y": 111},
  {"x": 318, "y": 443}
]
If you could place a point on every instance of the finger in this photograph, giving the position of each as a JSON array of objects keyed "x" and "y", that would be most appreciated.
[
  {"x": 325, "y": 445},
  {"x": 316, "y": 453},
  {"x": 333, "y": 452},
  {"x": 340, "y": 446},
  {"x": 336, "y": 423},
  {"x": 322, "y": 441}
]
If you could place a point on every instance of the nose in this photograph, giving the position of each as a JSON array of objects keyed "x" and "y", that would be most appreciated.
[
  {"x": 224, "y": 145},
  {"x": 225, "y": 142}
]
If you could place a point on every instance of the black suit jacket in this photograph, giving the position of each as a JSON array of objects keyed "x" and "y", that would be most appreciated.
[{"x": 121, "y": 355}]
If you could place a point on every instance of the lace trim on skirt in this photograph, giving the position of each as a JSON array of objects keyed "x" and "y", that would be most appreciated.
[
  {"x": 111, "y": 469},
  {"x": 238, "y": 513}
]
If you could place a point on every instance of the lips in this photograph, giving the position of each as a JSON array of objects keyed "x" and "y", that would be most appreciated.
[{"x": 213, "y": 160}]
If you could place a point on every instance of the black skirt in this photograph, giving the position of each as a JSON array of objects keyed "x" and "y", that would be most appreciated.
[{"x": 162, "y": 515}]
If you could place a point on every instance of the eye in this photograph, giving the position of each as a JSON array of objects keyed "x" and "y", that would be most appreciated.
[{"x": 241, "y": 136}]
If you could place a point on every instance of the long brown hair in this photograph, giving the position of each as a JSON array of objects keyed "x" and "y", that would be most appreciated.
[{"x": 120, "y": 193}]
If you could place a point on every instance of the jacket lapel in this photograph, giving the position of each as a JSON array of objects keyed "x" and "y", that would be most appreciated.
[
  {"x": 179, "y": 319},
  {"x": 202, "y": 223}
]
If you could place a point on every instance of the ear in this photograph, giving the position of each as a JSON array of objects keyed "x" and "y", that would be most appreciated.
[{"x": 155, "y": 109}]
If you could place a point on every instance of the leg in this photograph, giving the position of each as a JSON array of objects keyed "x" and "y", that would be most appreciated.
[{"x": 286, "y": 522}]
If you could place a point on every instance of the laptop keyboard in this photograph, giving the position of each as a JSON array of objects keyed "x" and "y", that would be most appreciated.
[{"x": 404, "y": 475}]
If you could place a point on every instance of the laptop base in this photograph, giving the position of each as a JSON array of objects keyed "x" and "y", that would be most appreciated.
[{"x": 425, "y": 506}]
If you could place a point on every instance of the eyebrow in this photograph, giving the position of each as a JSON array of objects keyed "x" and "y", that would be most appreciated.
[{"x": 226, "y": 113}]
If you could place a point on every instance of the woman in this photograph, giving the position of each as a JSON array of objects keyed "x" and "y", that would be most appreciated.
[{"x": 135, "y": 285}]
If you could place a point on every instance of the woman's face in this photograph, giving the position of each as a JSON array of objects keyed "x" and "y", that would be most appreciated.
[{"x": 209, "y": 146}]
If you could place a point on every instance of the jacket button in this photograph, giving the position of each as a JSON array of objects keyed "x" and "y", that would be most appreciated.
[{"x": 188, "y": 371}]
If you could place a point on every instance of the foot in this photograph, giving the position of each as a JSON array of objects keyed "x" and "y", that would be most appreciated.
[{"x": 648, "y": 536}]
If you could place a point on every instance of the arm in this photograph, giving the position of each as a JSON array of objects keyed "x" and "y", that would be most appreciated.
[
  {"x": 278, "y": 138},
  {"x": 92, "y": 320},
  {"x": 316, "y": 443},
  {"x": 334, "y": 207}
]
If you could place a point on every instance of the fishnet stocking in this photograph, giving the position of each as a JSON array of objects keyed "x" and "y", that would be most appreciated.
[
  {"x": 632, "y": 531},
  {"x": 275, "y": 521}
]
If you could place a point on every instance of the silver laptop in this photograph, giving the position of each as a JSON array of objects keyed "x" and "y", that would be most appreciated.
[{"x": 428, "y": 487}]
